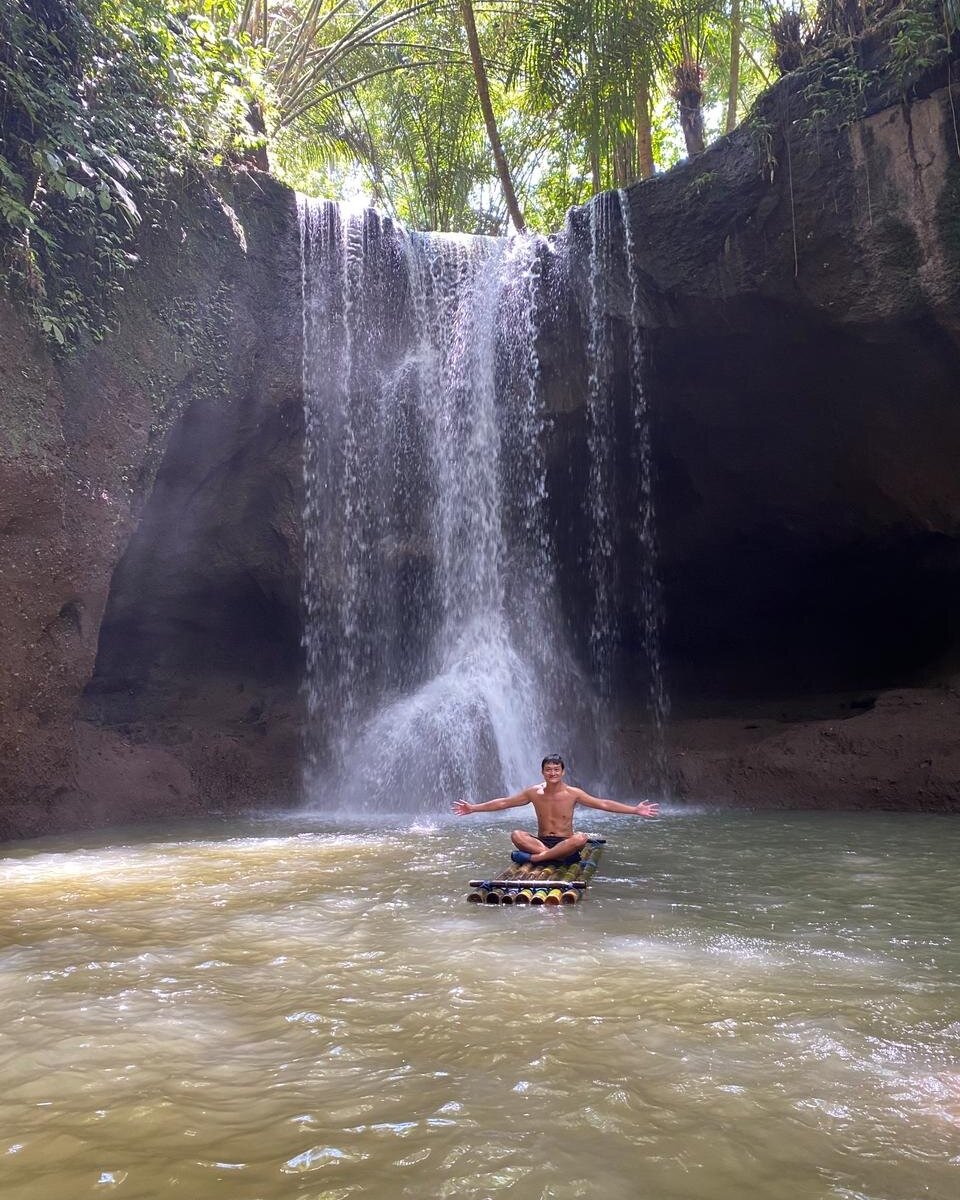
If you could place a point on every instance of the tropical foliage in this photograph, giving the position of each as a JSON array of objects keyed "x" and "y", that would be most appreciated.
[
  {"x": 105, "y": 104},
  {"x": 450, "y": 114}
]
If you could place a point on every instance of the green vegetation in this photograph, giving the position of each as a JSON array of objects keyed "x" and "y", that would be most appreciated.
[
  {"x": 444, "y": 114},
  {"x": 587, "y": 94},
  {"x": 106, "y": 103}
]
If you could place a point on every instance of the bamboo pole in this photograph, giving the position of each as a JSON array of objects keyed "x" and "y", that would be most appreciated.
[{"x": 511, "y": 884}]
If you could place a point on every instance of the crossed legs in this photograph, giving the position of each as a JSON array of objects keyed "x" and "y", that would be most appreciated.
[{"x": 539, "y": 852}]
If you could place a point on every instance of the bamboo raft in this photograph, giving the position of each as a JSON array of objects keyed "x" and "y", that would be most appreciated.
[{"x": 540, "y": 884}]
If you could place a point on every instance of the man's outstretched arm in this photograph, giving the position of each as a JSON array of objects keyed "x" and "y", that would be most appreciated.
[
  {"x": 463, "y": 807},
  {"x": 643, "y": 809}
]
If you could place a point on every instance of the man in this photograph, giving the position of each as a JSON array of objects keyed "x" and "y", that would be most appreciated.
[{"x": 554, "y": 802}]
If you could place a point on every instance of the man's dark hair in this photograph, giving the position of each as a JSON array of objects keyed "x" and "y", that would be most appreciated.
[{"x": 553, "y": 758}]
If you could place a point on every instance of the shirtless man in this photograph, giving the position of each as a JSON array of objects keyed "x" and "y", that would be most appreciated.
[{"x": 554, "y": 802}]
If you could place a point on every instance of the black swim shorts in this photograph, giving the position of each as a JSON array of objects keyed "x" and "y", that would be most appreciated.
[{"x": 550, "y": 842}]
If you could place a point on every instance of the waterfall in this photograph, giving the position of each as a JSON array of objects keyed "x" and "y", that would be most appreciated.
[
  {"x": 438, "y": 661},
  {"x": 620, "y": 494},
  {"x": 650, "y": 602},
  {"x": 437, "y": 664},
  {"x": 601, "y": 440}
]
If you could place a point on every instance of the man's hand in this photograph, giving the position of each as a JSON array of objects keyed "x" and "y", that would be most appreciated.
[
  {"x": 463, "y": 808},
  {"x": 646, "y": 809}
]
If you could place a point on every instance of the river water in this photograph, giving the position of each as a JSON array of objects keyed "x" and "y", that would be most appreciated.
[{"x": 745, "y": 1005}]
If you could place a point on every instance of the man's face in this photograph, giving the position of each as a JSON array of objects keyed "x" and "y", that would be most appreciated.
[{"x": 552, "y": 772}]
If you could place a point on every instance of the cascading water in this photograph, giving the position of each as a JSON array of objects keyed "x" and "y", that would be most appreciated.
[
  {"x": 619, "y": 497},
  {"x": 604, "y": 574},
  {"x": 650, "y": 599},
  {"x": 436, "y": 660}
]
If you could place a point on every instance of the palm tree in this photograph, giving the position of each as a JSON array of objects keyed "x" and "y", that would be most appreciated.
[
  {"x": 693, "y": 26},
  {"x": 317, "y": 52},
  {"x": 423, "y": 148},
  {"x": 489, "y": 118},
  {"x": 592, "y": 63}
]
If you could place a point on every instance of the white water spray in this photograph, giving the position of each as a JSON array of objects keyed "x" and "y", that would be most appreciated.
[
  {"x": 604, "y": 572},
  {"x": 436, "y": 661}
]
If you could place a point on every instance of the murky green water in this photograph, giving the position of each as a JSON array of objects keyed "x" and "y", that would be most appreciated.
[{"x": 746, "y": 1006}]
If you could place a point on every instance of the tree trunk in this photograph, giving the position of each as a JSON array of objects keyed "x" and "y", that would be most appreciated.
[
  {"x": 688, "y": 93},
  {"x": 691, "y": 122},
  {"x": 595, "y": 176},
  {"x": 490, "y": 120},
  {"x": 645, "y": 164},
  {"x": 733, "y": 96}
]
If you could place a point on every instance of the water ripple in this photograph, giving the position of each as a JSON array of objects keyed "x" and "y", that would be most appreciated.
[{"x": 745, "y": 1006}]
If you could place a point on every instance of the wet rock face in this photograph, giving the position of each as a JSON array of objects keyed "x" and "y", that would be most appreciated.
[
  {"x": 199, "y": 648},
  {"x": 803, "y": 356},
  {"x": 803, "y": 391},
  {"x": 809, "y": 504},
  {"x": 200, "y": 642},
  {"x": 152, "y": 532}
]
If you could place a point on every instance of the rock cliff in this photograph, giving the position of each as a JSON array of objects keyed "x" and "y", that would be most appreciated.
[
  {"x": 149, "y": 490},
  {"x": 803, "y": 289},
  {"x": 801, "y": 294}
]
